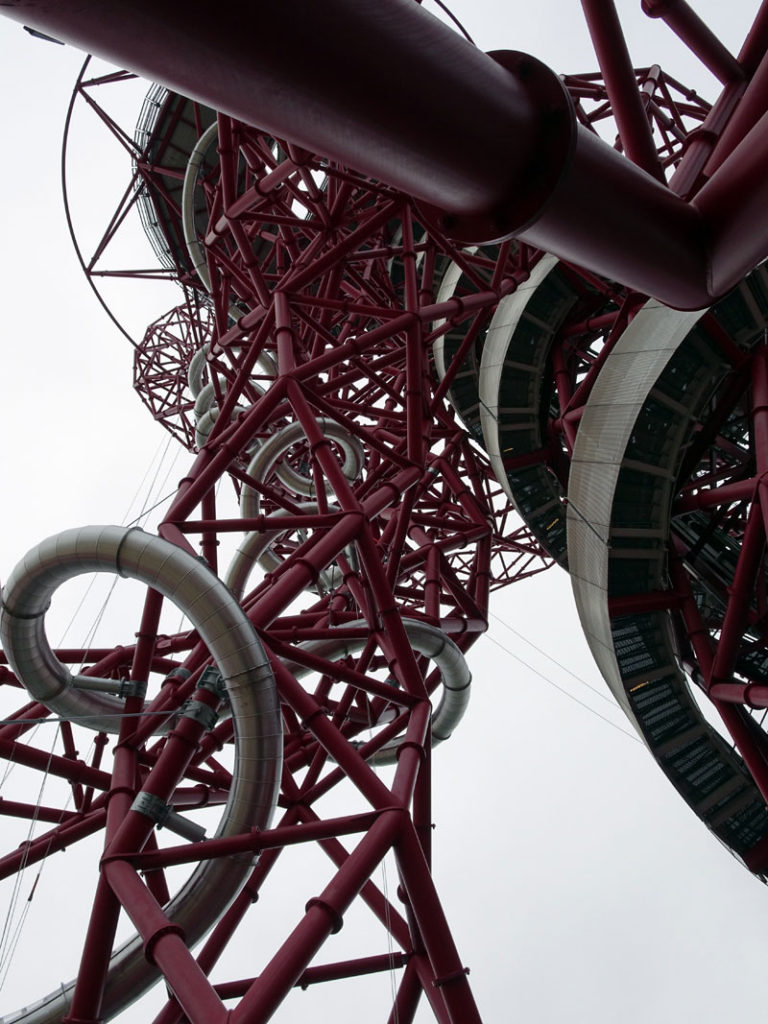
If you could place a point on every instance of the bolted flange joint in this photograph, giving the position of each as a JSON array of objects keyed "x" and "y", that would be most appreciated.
[
  {"x": 336, "y": 918},
  {"x": 213, "y": 681},
  {"x": 152, "y": 807},
  {"x": 447, "y": 979},
  {"x": 199, "y": 712},
  {"x": 161, "y": 933},
  {"x": 165, "y": 817},
  {"x": 178, "y": 674},
  {"x": 133, "y": 688}
]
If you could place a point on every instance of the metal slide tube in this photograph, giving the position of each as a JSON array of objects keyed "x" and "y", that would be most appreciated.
[
  {"x": 432, "y": 643},
  {"x": 250, "y": 685},
  {"x": 278, "y": 444}
]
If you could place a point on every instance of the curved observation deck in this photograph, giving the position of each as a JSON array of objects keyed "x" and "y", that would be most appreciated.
[
  {"x": 513, "y": 391},
  {"x": 667, "y": 420},
  {"x": 504, "y": 391},
  {"x": 167, "y": 132},
  {"x": 464, "y": 390}
]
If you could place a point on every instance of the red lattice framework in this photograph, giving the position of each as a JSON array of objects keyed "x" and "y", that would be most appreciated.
[
  {"x": 302, "y": 368},
  {"x": 321, "y": 313}
]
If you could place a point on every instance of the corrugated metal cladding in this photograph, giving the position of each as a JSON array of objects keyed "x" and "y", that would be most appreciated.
[{"x": 631, "y": 459}]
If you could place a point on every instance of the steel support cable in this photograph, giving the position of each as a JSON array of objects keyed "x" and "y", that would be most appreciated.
[
  {"x": 395, "y": 1017},
  {"x": 91, "y": 720},
  {"x": 158, "y": 458},
  {"x": 251, "y": 690},
  {"x": 560, "y": 689},
  {"x": 564, "y": 668},
  {"x": 91, "y": 634},
  {"x": 6, "y": 953},
  {"x": 157, "y": 485}
]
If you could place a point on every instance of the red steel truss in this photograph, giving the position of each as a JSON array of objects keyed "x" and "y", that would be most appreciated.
[
  {"x": 329, "y": 367},
  {"x": 300, "y": 367}
]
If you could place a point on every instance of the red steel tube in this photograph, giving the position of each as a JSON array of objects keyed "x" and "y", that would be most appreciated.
[
  {"x": 751, "y": 694},
  {"x": 739, "y": 595},
  {"x": 607, "y": 215},
  {"x": 732, "y": 205},
  {"x": 749, "y": 742},
  {"x": 222, "y": 932},
  {"x": 755, "y": 44},
  {"x": 61, "y": 838},
  {"x": 387, "y": 89},
  {"x": 619, "y": 77},
  {"x": 686, "y": 24},
  {"x": 254, "y": 842},
  {"x": 443, "y": 956},
  {"x": 408, "y": 996},
  {"x": 350, "y": 760},
  {"x": 164, "y": 946},
  {"x": 751, "y": 108},
  {"x": 324, "y": 972},
  {"x": 323, "y": 915},
  {"x": 379, "y": 905},
  {"x": 53, "y": 764},
  {"x": 340, "y": 78},
  {"x": 88, "y": 995}
]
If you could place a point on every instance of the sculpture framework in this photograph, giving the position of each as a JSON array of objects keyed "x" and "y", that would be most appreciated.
[{"x": 381, "y": 383}]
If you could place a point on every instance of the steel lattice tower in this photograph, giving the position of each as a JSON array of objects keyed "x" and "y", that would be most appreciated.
[{"x": 386, "y": 352}]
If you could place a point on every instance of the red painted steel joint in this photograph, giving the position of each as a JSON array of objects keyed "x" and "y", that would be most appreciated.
[
  {"x": 156, "y": 936},
  {"x": 447, "y": 979},
  {"x": 412, "y": 745},
  {"x": 333, "y": 914},
  {"x": 550, "y": 154}
]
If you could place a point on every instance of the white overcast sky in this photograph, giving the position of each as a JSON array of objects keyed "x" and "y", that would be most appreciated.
[{"x": 579, "y": 886}]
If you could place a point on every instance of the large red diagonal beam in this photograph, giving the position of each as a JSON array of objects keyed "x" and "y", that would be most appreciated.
[
  {"x": 387, "y": 89},
  {"x": 691, "y": 29},
  {"x": 732, "y": 204},
  {"x": 324, "y": 914},
  {"x": 341, "y": 78},
  {"x": 621, "y": 84}
]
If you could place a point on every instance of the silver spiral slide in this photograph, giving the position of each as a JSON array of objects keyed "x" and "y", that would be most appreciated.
[{"x": 250, "y": 686}]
